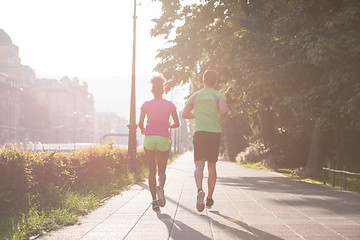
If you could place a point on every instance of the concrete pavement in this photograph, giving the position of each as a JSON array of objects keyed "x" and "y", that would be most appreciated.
[{"x": 249, "y": 204}]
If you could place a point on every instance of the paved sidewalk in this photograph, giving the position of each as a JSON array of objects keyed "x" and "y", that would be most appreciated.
[{"x": 249, "y": 204}]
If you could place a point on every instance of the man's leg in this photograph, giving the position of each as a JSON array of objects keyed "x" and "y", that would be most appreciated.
[
  {"x": 200, "y": 158},
  {"x": 214, "y": 145},
  {"x": 199, "y": 173},
  {"x": 212, "y": 176}
]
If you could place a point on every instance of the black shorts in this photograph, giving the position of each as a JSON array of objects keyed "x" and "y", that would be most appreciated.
[{"x": 206, "y": 146}]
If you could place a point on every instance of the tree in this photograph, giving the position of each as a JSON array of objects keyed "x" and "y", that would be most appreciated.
[
  {"x": 236, "y": 131},
  {"x": 290, "y": 61}
]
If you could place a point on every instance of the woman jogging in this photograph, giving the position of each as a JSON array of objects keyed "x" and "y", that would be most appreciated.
[{"x": 156, "y": 141}]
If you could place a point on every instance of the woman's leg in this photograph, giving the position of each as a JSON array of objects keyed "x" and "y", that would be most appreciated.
[
  {"x": 151, "y": 159},
  {"x": 162, "y": 158}
]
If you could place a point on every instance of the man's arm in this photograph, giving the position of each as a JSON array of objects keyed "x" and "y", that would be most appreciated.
[
  {"x": 187, "y": 114},
  {"x": 223, "y": 109}
]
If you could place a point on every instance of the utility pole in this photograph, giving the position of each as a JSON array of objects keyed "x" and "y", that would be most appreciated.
[{"x": 131, "y": 158}]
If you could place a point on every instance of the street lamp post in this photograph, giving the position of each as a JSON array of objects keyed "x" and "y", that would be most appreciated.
[{"x": 131, "y": 158}]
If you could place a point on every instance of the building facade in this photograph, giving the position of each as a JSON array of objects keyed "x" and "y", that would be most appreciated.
[
  {"x": 107, "y": 125},
  {"x": 69, "y": 103},
  {"x": 71, "y": 109},
  {"x": 10, "y": 62},
  {"x": 13, "y": 75},
  {"x": 9, "y": 109}
]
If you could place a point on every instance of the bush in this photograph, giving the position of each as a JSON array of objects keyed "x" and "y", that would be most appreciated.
[
  {"x": 14, "y": 177},
  {"x": 256, "y": 152},
  {"x": 53, "y": 186}
]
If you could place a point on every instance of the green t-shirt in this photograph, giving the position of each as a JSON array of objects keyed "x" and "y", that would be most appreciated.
[{"x": 205, "y": 102}]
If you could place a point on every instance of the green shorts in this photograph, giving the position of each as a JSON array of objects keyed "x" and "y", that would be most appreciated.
[{"x": 153, "y": 142}]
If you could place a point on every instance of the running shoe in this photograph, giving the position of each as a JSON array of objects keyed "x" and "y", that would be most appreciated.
[
  {"x": 155, "y": 205},
  {"x": 209, "y": 202},
  {"x": 200, "y": 205},
  {"x": 160, "y": 196}
]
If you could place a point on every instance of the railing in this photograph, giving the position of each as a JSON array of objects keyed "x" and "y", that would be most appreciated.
[
  {"x": 333, "y": 171},
  {"x": 114, "y": 135},
  {"x": 60, "y": 146}
]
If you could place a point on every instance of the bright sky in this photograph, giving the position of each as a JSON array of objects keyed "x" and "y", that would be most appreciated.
[
  {"x": 81, "y": 37},
  {"x": 85, "y": 39}
]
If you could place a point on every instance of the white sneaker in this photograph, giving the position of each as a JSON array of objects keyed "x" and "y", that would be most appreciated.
[
  {"x": 200, "y": 204},
  {"x": 155, "y": 205},
  {"x": 160, "y": 196}
]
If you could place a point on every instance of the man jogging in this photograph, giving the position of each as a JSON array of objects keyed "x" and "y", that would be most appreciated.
[{"x": 209, "y": 108}]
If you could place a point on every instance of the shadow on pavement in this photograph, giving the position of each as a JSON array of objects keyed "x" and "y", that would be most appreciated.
[
  {"x": 178, "y": 229},
  {"x": 307, "y": 194},
  {"x": 271, "y": 184},
  {"x": 256, "y": 233}
]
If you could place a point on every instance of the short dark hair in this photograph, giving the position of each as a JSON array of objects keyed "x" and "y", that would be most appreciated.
[
  {"x": 158, "y": 83},
  {"x": 210, "y": 77}
]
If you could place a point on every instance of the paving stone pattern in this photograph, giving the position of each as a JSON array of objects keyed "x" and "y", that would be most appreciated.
[{"x": 249, "y": 204}]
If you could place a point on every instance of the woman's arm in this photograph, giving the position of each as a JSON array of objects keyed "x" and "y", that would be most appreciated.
[
  {"x": 175, "y": 117},
  {"x": 141, "y": 121}
]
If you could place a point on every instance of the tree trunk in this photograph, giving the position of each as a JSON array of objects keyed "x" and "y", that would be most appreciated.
[
  {"x": 316, "y": 153},
  {"x": 267, "y": 129},
  {"x": 267, "y": 121}
]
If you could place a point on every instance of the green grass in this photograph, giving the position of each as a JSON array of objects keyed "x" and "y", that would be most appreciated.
[
  {"x": 352, "y": 182},
  {"x": 297, "y": 173},
  {"x": 258, "y": 165},
  {"x": 36, "y": 221}
]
